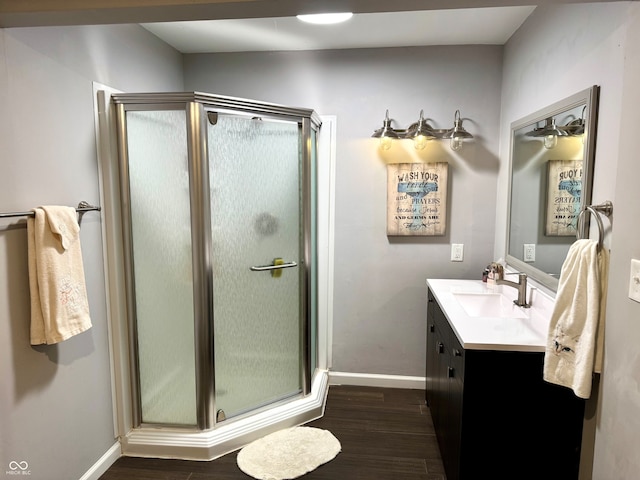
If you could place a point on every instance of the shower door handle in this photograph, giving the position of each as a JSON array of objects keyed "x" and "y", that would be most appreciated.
[
  {"x": 275, "y": 268},
  {"x": 263, "y": 268}
]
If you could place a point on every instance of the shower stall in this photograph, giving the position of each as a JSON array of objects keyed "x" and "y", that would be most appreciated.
[{"x": 217, "y": 202}]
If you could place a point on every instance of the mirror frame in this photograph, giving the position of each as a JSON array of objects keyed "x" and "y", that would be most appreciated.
[{"x": 588, "y": 97}]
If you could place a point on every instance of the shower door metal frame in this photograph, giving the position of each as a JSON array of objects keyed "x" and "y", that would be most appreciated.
[{"x": 195, "y": 106}]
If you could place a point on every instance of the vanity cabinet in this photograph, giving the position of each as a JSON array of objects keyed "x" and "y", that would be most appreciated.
[{"x": 493, "y": 414}]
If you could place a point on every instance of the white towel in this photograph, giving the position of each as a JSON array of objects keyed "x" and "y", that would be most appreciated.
[
  {"x": 59, "y": 306},
  {"x": 576, "y": 331}
]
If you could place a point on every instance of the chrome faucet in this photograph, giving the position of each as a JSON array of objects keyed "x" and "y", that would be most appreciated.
[{"x": 521, "y": 286}]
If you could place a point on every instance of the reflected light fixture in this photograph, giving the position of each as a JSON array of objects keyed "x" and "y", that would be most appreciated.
[
  {"x": 420, "y": 132},
  {"x": 457, "y": 134},
  {"x": 386, "y": 134},
  {"x": 550, "y": 132},
  {"x": 577, "y": 126},
  {"x": 325, "y": 18}
]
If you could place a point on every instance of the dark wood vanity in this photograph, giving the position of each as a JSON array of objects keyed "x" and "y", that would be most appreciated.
[{"x": 494, "y": 415}]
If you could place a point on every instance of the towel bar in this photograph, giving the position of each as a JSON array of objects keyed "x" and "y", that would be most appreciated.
[
  {"x": 605, "y": 208},
  {"x": 81, "y": 208}
]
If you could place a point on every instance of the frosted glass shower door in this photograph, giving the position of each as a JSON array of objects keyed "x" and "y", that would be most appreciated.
[
  {"x": 161, "y": 239},
  {"x": 254, "y": 172}
]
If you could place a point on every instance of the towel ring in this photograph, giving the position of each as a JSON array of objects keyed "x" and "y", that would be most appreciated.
[{"x": 606, "y": 208}]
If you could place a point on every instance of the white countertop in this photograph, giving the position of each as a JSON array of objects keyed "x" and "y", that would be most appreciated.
[{"x": 527, "y": 334}]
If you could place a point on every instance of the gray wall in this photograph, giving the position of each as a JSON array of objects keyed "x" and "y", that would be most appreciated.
[
  {"x": 618, "y": 432},
  {"x": 558, "y": 51},
  {"x": 56, "y": 400},
  {"x": 380, "y": 306}
]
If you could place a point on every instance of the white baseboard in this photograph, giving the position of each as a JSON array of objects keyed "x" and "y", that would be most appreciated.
[
  {"x": 103, "y": 463},
  {"x": 376, "y": 380}
]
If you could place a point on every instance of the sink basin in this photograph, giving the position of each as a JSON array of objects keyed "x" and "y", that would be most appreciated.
[{"x": 489, "y": 305}]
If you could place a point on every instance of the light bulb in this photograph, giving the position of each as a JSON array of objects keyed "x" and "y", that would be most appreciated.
[
  {"x": 385, "y": 143},
  {"x": 419, "y": 142},
  {"x": 550, "y": 141},
  {"x": 456, "y": 143},
  {"x": 325, "y": 18}
]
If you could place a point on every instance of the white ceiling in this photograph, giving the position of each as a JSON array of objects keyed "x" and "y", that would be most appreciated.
[{"x": 488, "y": 26}]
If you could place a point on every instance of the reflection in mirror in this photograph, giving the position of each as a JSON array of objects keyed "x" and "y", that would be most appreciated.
[{"x": 552, "y": 154}]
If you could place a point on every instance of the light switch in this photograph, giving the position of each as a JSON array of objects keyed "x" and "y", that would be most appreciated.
[
  {"x": 457, "y": 252},
  {"x": 529, "y": 252},
  {"x": 634, "y": 281}
]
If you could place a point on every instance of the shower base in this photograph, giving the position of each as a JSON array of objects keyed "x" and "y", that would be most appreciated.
[{"x": 188, "y": 444}]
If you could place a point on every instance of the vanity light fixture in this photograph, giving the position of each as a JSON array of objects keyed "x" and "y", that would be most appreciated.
[
  {"x": 386, "y": 134},
  {"x": 457, "y": 134},
  {"x": 421, "y": 132},
  {"x": 576, "y": 127},
  {"x": 550, "y": 132},
  {"x": 325, "y": 18}
]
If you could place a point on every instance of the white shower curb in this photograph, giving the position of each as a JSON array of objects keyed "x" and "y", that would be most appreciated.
[{"x": 204, "y": 446}]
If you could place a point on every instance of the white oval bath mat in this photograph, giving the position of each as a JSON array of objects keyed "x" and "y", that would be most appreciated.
[{"x": 288, "y": 453}]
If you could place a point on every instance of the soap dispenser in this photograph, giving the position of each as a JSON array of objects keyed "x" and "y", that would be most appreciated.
[{"x": 485, "y": 273}]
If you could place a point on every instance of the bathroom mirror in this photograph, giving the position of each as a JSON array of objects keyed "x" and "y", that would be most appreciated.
[{"x": 551, "y": 169}]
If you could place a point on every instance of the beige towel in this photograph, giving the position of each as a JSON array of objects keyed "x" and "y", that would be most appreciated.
[
  {"x": 59, "y": 306},
  {"x": 576, "y": 332}
]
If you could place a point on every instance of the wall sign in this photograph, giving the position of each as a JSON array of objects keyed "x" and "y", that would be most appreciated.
[
  {"x": 564, "y": 197},
  {"x": 417, "y": 198}
]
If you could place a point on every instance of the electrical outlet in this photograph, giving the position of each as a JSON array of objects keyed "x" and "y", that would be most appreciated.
[
  {"x": 634, "y": 281},
  {"x": 457, "y": 252},
  {"x": 529, "y": 252}
]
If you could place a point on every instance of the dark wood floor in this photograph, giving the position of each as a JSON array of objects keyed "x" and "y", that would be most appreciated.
[{"x": 386, "y": 434}]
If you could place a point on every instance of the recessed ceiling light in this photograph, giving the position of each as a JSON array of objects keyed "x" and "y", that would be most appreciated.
[{"x": 325, "y": 18}]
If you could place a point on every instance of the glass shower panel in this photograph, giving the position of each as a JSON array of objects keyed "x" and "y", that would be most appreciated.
[
  {"x": 161, "y": 236},
  {"x": 313, "y": 295},
  {"x": 254, "y": 171}
]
